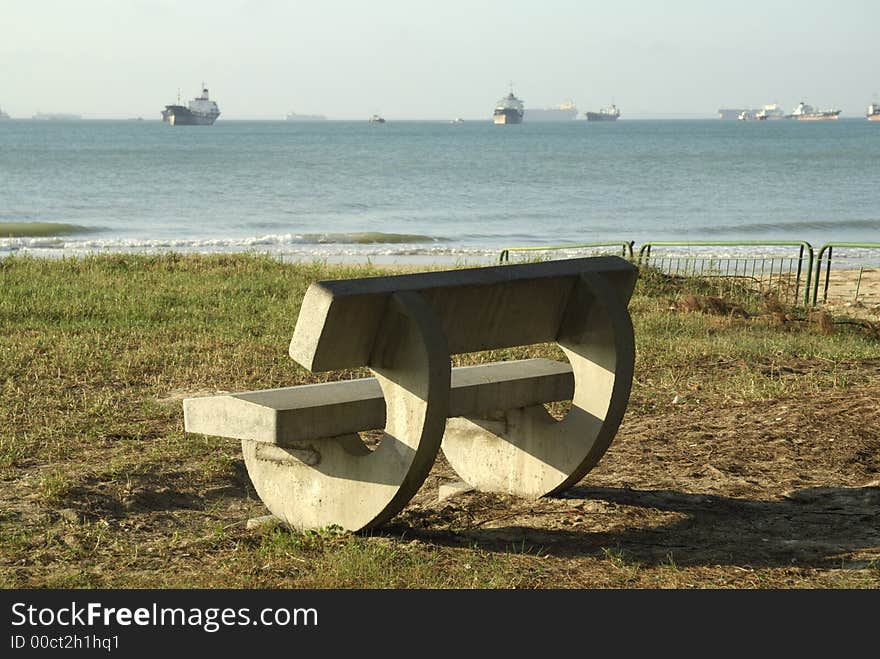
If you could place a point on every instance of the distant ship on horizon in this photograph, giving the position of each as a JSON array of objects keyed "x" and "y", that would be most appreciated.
[
  {"x": 563, "y": 112},
  {"x": 873, "y": 112},
  {"x": 804, "y": 112},
  {"x": 508, "y": 110},
  {"x": 293, "y": 116},
  {"x": 769, "y": 111},
  {"x": 3, "y": 115},
  {"x": 56, "y": 116},
  {"x": 201, "y": 111},
  {"x": 611, "y": 113},
  {"x": 736, "y": 113}
]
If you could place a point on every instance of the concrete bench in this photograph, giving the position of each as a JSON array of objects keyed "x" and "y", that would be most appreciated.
[{"x": 301, "y": 445}]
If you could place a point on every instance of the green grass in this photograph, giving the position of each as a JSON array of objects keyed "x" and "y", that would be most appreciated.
[{"x": 96, "y": 352}]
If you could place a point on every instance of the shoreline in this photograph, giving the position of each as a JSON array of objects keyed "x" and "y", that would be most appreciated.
[{"x": 393, "y": 253}]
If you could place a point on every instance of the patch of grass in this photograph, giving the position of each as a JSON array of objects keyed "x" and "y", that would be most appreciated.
[
  {"x": 55, "y": 486},
  {"x": 627, "y": 569},
  {"x": 337, "y": 559}
]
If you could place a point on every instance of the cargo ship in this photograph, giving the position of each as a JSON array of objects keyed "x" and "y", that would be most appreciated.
[
  {"x": 508, "y": 110},
  {"x": 3, "y": 115},
  {"x": 804, "y": 112},
  {"x": 562, "y": 112},
  {"x": 293, "y": 116},
  {"x": 874, "y": 112},
  {"x": 201, "y": 111},
  {"x": 611, "y": 113},
  {"x": 55, "y": 116}
]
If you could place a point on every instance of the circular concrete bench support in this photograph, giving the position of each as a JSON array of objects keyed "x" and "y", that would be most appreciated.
[
  {"x": 525, "y": 451},
  {"x": 339, "y": 481}
]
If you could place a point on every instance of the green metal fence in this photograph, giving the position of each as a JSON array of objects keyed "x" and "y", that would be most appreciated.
[
  {"x": 624, "y": 248},
  {"x": 788, "y": 276},
  {"x": 847, "y": 286},
  {"x": 791, "y": 277}
]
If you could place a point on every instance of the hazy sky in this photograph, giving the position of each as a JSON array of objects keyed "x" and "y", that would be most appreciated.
[{"x": 415, "y": 59}]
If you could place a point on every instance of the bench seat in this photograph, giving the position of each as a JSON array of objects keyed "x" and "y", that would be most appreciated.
[{"x": 307, "y": 412}]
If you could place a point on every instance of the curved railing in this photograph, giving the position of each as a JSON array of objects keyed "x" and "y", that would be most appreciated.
[
  {"x": 828, "y": 249},
  {"x": 795, "y": 274},
  {"x": 800, "y": 267}
]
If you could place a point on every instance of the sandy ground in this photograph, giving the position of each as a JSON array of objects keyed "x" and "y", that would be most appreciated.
[
  {"x": 855, "y": 292},
  {"x": 851, "y": 285}
]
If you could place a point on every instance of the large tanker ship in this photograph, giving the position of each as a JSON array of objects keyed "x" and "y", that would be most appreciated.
[
  {"x": 804, "y": 112},
  {"x": 508, "y": 110},
  {"x": 201, "y": 111},
  {"x": 293, "y": 116},
  {"x": 562, "y": 112}
]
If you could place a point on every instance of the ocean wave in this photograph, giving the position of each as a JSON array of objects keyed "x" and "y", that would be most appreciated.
[
  {"x": 369, "y": 238},
  {"x": 347, "y": 252},
  {"x": 268, "y": 240},
  {"x": 39, "y": 229}
]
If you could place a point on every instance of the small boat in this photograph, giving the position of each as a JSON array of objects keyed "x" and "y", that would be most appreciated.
[
  {"x": 376, "y": 119},
  {"x": 457, "y": 120},
  {"x": 873, "y": 112},
  {"x": 770, "y": 111}
]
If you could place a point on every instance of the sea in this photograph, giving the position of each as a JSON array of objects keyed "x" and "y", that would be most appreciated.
[{"x": 434, "y": 191}]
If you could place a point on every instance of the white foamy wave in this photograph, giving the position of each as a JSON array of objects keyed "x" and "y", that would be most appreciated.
[
  {"x": 12, "y": 244},
  {"x": 352, "y": 246},
  {"x": 351, "y": 238}
]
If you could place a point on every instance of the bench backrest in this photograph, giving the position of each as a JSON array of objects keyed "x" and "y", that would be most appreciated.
[{"x": 478, "y": 308}]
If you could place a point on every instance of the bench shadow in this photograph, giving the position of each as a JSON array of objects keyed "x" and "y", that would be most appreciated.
[
  {"x": 812, "y": 527},
  {"x": 151, "y": 489}
]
